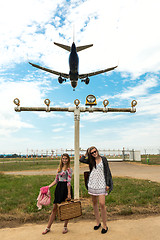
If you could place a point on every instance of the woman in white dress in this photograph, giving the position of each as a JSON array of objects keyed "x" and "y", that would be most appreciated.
[{"x": 100, "y": 184}]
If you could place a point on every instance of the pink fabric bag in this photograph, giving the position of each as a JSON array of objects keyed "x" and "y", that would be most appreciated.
[
  {"x": 44, "y": 190},
  {"x": 44, "y": 197}
]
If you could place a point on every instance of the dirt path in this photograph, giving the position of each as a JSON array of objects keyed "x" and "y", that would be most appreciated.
[
  {"x": 136, "y": 170},
  {"x": 118, "y": 169},
  {"x": 129, "y": 229},
  {"x": 140, "y": 229}
]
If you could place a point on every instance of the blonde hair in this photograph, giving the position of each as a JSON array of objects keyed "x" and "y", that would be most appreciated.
[{"x": 62, "y": 164}]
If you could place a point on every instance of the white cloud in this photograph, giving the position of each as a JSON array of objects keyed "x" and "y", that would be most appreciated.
[
  {"x": 123, "y": 32},
  {"x": 120, "y": 30},
  {"x": 10, "y": 124},
  {"x": 29, "y": 95},
  {"x": 59, "y": 125},
  {"x": 141, "y": 89},
  {"x": 51, "y": 115},
  {"x": 57, "y": 137},
  {"x": 57, "y": 130},
  {"x": 127, "y": 136},
  {"x": 149, "y": 105},
  {"x": 100, "y": 117},
  {"x": 21, "y": 23}
]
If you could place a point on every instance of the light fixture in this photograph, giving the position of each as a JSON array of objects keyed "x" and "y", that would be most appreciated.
[
  {"x": 105, "y": 102},
  {"x": 91, "y": 100},
  {"x": 76, "y": 102},
  {"x": 16, "y": 101},
  {"x": 47, "y": 102},
  {"x": 133, "y": 103}
]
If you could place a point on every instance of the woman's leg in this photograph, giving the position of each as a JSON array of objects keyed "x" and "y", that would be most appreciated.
[
  {"x": 52, "y": 216},
  {"x": 96, "y": 209},
  {"x": 65, "y": 230},
  {"x": 66, "y": 223},
  {"x": 103, "y": 210}
]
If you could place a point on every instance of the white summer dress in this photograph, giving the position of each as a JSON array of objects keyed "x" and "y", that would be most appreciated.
[{"x": 97, "y": 183}]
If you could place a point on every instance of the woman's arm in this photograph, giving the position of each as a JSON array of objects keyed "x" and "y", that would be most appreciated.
[
  {"x": 69, "y": 191},
  {"x": 69, "y": 177},
  {"x": 108, "y": 175},
  {"x": 53, "y": 183},
  {"x": 83, "y": 159}
]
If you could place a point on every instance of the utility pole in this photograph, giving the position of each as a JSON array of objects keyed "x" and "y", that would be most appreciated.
[{"x": 90, "y": 101}]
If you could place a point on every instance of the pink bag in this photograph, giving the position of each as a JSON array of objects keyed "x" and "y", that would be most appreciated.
[
  {"x": 44, "y": 190},
  {"x": 44, "y": 197}
]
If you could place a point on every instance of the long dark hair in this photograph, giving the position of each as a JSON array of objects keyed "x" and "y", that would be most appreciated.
[{"x": 92, "y": 162}]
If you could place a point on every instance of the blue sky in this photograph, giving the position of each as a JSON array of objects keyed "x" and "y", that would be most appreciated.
[{"x": 122, "y": 32}]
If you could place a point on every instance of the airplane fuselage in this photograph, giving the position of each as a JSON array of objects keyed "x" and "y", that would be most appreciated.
[{"x": 73, "y": 65}]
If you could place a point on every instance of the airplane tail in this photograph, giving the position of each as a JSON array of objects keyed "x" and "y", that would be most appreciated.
[
  {"x": 68, "y": 48},
  {"x": 83, "y": 47}
]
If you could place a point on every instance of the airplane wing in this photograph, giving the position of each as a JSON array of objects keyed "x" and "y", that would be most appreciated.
[
  {"x": 81, "y": 76},
  {"x": 65, "y": 75}
]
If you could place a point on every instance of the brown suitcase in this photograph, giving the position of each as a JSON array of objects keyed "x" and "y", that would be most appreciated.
[{"x": 69, "y": 210}]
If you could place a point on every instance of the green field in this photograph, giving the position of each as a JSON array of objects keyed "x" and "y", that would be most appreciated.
[
  {"x": 30, "y": 164},
  {"x": 130, "y": 196},
  {"x": 150, "y": 159}
]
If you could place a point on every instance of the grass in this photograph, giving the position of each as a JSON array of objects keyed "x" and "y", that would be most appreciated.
[
  {"x": 19, "y": 165},
  {"x": 19, "y": 193},
  {"x": 134, "y": 193},
  {"x": 150, "y": 159},
  {"x": 23, "y": 159}
]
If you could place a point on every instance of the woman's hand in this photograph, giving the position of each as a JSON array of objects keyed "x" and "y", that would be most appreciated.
[
  {"x": 86, "y": 154},
  {"x": 107, "y": 188},
  {"x": 69, "y": 196}
]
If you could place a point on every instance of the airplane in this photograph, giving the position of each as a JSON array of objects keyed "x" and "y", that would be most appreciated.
[{"x": 73, "y": 66}]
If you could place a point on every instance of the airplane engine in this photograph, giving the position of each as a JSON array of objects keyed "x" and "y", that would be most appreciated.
[
  {"x": 87, "y": 81},
  {"x": 60, "y": 80}
]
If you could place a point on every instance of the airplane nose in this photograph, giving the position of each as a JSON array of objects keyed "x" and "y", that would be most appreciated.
[{"x": 74, "y": 84}]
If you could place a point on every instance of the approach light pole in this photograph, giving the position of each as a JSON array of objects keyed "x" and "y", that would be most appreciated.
[{"x": 90, "y": 101}]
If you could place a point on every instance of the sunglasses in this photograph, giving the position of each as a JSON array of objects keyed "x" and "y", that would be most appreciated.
[{"x": 94, "y": 152}]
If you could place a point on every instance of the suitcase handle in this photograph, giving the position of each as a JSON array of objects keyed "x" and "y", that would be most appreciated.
[{"x": 69, "y": 200}]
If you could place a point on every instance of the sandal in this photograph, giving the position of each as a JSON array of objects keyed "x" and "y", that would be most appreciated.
[
  {"x": 104, "y": 230},
  {"x": 65, "y": 230},
  {"x": 46, "y": 231},
  {"x": 97, "y": 227}
]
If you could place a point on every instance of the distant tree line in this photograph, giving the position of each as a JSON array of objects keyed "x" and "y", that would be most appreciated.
[
  {"x": 19, "y": 156},
  {"x": 10, "y": 156}
]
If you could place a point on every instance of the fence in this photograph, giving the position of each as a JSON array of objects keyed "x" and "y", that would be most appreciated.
[
  {"x": 115, "y": 155},
  {"x": 111, "y": 155}
]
